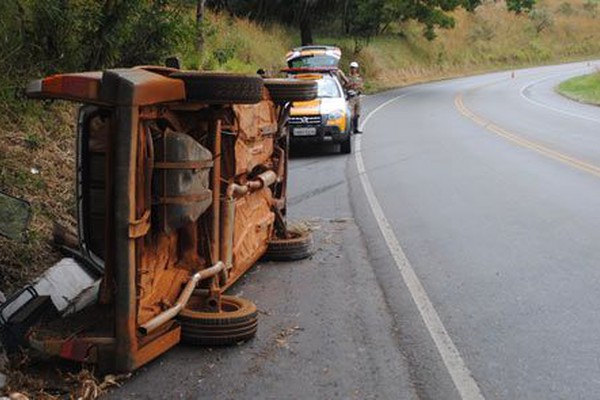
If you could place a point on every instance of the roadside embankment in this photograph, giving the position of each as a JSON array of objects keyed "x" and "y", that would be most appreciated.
[{"x": 37, "y": 140}]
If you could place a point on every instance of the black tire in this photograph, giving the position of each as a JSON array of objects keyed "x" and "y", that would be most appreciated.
[
  {"x": 220, "y": 88},
  {"x": 289, "y": 90},
  {"x": 346, "y": 145},
  {"x": 297, "y": 247},
  {"x": 237, "y": 322}
]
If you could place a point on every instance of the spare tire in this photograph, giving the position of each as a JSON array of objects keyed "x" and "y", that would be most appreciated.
[
  {"x": 221, "y": 88},
  {"x": 286, "y": 90},
  {"x": 237, "y": 322},
  {"x": 298, "y": 246}
]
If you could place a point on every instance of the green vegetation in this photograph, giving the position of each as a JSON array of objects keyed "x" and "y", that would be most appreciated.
[
  {"x": 489, "y": 38},
  {"x": 38, "y": 38},
  {"x": 582, "y": 88},
  {"x": 359, "y": 19}
]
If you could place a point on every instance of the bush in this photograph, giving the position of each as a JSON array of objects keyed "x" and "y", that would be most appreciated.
[
  {"x": 591, "y": 7},
  {"x": 541, "y": 18},
  {"x": 566, "y": 9},
  {"x": 37, "y": 160},
  {"x": 69, "y": 35},
  {"x": 39, "y": 38},
  {"x": 482, "y": 31}
]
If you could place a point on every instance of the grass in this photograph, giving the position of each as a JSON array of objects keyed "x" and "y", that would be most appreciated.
[
  {"x": 582, "y": 88},
  {"x": 238, "y": 45},
  {"x": 40, "y": 135},
  {"x": 489, "y": 39},
  {"x": 37, "y": 163}
]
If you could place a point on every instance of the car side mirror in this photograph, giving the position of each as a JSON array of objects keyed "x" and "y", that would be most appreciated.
[
  {"x": 173, "y": 62},
  {"x": 14, "y": 217}
]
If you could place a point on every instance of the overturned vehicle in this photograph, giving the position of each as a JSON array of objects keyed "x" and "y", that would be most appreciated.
[{"x": 181, "y": 188}]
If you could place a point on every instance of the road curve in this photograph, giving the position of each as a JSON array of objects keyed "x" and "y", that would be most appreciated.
[
  {"x": 486, "y": 189},
  {"x": 490, "y": 184}
]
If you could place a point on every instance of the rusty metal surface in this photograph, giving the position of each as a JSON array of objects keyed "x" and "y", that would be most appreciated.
[
  {"x": 84, "y": 87},
  {"x": 165, "y": 266},
  {"x": 180, "y": 178},
  {"x": 254, "y": 126},
  {"x": 216, "y": 190},
  {"x": 139, "y": 87},
  {"x": 147, "y": 268},
  {"x": 249, "y": 154},
  {"x": 183, "y": 299},
  {"x": 227, "y": 230},
  {"x": 253, "y": 226},
  {"x": 123, "y": 259},
  {"x": 155, "y": 347}
]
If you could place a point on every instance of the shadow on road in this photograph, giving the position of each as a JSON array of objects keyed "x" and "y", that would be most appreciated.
[{"x": 314, "y": 150}]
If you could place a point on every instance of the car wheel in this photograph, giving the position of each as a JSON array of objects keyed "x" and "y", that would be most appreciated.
[
  {"x": 346, "y": 145},
  {"x": 237, "y": 322},
  {"x": 220, "y": 88},
  {"x": 287, "y": 90},
  {"x": 298, "y": 246}
]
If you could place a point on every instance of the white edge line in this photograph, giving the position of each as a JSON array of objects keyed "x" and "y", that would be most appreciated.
[
  {"x": 546, "y": 106},
  {"x": 459, "y": 372}
]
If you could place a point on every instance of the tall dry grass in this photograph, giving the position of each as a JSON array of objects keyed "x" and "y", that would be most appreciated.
[
  {"x": 489, "y": 39},
  {"x": 37, "y": 163},
  {"x": 41, "y": 136},
  {"x": 239, "y": 45}
]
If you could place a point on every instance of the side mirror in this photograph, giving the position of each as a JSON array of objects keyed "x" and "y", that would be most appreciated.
[
  {"x": 14, "y": 217},
  {"x": 173, "y": 62}
]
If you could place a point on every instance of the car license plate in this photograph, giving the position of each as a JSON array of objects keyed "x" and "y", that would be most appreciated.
[{"x": 305, "y": 131}]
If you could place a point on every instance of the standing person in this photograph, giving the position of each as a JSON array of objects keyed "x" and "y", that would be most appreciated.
[{"x": 354, "y": 87}]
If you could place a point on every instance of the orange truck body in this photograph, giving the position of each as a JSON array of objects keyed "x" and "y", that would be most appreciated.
[{"x": 170, "y": 188}]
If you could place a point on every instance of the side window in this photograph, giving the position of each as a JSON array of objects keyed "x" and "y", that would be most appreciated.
[{"x": 94, "y": 133}]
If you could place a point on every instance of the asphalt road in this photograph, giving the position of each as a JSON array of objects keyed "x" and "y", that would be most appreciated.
[{"x": 457, "y": 257}]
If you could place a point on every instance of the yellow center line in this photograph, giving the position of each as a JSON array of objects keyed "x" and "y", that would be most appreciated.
[{"x": 539, "y": 148}]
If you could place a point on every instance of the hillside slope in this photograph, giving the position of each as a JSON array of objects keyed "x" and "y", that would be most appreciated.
[
  {"x": 37, "y": 141},
  {"x": 491, "y": 38}
]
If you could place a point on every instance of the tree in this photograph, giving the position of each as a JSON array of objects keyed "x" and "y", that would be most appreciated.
[
  {"x": 366, "y": 18},
  {"x": 361, "y": 19},
  {"x": 520, "y": 6},
  {"x": 541, "y": 18},
  {"x": 200, "y": 9},
  {"x": 301, "y": 13}
]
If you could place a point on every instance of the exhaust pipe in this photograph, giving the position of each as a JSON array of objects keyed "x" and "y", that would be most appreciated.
[
  {"x": 183, "y": 299},
  {"x": 233, "y": 191}
]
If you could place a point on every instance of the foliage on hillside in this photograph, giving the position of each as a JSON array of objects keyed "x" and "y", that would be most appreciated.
[
  {"x": 360, "y": 19},
  {"x": 489, "y": 39},
  {"x": 67, "y": 35},
  {"x": 37, "y": 143}
]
